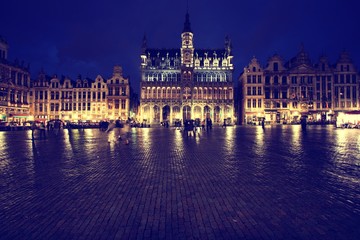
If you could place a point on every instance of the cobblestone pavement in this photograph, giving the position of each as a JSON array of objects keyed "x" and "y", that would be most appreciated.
[{"x": 230, "y": 183}]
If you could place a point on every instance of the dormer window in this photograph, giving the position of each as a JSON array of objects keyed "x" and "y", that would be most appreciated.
[
  {"x": 197, "y": 63},
  {"x": 276, "y": 66},
  {"x": 216, "y": 63},
  {"x": 224, "y": 63},
  {"x": 206, "y": 62}
]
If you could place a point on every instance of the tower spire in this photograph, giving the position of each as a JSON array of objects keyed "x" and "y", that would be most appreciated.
[{"x": 187, "y": 27}]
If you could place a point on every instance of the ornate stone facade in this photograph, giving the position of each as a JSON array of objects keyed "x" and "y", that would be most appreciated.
[
  {"x": 285, "y": 92},
  {"x": 14, "y": 88},
  {"x": 81, "y": 100},
  {"x": 186, "y": 83}
]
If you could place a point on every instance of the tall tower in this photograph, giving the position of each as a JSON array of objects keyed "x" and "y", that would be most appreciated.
[{"x": 187, "y": 47}]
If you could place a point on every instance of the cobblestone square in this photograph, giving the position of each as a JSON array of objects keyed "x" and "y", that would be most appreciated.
[{"x": 229, "y": 183}]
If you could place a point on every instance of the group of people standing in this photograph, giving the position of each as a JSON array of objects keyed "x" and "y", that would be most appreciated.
[
  {"x": 192, "y": 126},
  {"x": 41, "y": 127}
]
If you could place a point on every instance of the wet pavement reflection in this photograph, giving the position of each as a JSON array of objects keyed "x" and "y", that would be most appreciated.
[{"x": 236, "y": 182}]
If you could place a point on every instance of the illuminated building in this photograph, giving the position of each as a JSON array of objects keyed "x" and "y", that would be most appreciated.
[
  {"x": 81, "y": 100},
  {"x": 186, "y": 83},
  {"x": 118, "y": 95},
  {"x": 14, "y": 88},
  {"x": 283, "y": 93}
]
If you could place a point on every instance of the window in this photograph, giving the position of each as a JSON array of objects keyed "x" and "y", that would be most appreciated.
[
  {"x": 267, "y": 80},
  {"x": 342, "y": 92},
  {"x": 248, "y": 79},
  {"x": 254, "y": 103},
  {"x": 248, "y": 90},
  {"x": 302, "y": 80},
  {"x": 259, "y": 103},
  {"x": 310, "y": 79},
  {"x": 303, "y": 92},
  {"x": 267, "y": 93},
  {"x": 259, "y": 91},
  {"x": 293, "y": 80},
  {"x": 276, "y": 66},
  {"x": 254, "y": 91},
  {"x": 283, "y": 80},
  {"x": 259, "y": 79},
  {"x": 276, "y": 94},
  {"x": 249, "y": 103},
  {"x": 123, "y": 103},
  {"x": 276, "y": 80},
  {"x": 348, "y": 96}
]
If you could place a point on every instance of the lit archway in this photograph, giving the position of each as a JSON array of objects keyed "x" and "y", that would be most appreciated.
[
  {"x": 186, "y": 112},
  {"x": 166, "y": 113}
]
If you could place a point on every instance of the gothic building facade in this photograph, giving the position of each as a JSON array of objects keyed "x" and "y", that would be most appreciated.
[
  {"x": 186, "y": 83},
  {"x": 284, "y": 92}
]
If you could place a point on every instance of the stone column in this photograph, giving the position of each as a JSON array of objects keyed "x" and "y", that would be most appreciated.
[
  {"x": 181, "y": 113},
  {"x": 171, "y": 117},
  {"x": 161, "y": 113},
  {"x": 151, "y": 117}
]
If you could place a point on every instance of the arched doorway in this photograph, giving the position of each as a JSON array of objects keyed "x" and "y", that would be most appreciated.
[
  {"x": 146, "y": 114},
  {"x": 207, "y": 112},
  {"x": 197, "y": 112},
  {"x": 166, "y": 113},
  {"x": 156, "y": 114},
  {"x": 176, "y": 114},
  {"x": 228, "y": 114},
  {"x": 186, "y": 112},
  {"x": 217, "y": 114}
]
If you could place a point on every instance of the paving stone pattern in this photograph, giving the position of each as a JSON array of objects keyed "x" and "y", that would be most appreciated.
[{"x": 230, "y": 183}]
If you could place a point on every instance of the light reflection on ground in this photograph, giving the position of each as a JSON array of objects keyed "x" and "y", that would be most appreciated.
[{"x": 279, "y": 177}]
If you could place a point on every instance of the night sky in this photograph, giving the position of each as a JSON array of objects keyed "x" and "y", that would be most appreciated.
[{"x": 68, "y": 37}]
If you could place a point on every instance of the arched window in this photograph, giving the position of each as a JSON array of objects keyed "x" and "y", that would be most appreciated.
[
  {"x": 195, "y": 93},
  {"x": 276, "y": 80}
]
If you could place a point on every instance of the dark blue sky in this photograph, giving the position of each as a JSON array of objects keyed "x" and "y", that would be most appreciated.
[{"x": 68, "y": 37}]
